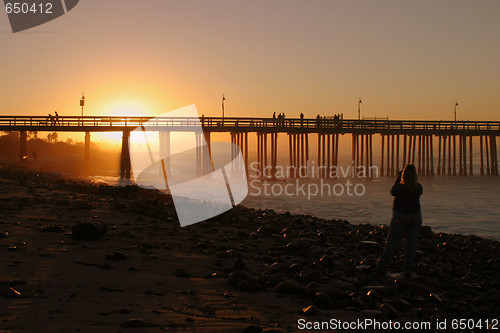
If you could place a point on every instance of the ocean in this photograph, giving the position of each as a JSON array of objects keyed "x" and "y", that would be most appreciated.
[{"x": 465, "y": 205}]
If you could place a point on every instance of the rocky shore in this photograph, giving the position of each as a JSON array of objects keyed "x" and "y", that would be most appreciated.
[{"x": 244, "y": 271}]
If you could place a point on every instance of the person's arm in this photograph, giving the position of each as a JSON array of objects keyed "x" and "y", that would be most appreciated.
[{"x": 398, "y": 181}]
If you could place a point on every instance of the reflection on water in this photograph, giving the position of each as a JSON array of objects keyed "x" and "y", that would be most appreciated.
[{"x": 449, "y": 204}]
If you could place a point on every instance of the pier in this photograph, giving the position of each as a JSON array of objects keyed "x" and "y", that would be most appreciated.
[{"x": 435, "y": 147}]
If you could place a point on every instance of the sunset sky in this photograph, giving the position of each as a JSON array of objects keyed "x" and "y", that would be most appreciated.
[{"x": 405, "y": 59}]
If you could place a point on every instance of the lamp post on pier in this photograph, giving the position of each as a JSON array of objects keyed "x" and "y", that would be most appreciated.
[
  {"x": 456, "y": 104},
  {"x": 223, "y": 100},
  {"x": 359, "y": 108},
  {"x": 82, "y": 104}
]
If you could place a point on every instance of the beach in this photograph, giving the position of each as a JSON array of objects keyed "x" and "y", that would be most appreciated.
[{"x": 247, "y": 270}]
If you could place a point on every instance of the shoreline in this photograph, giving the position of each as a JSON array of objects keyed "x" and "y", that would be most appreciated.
[{"x": 246, "y": 270}]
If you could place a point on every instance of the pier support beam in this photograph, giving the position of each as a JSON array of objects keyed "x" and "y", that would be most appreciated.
[
  {"x": 299, "y": 154},
  {"x": 164, "y": 137},
  {"x": 493, "y": 154},
  {"x": 125, "y": 156},
  {"x": 241, "y": 140},
  {"x": 470, "y": 155},
  {"x": 481, "y": 170}
]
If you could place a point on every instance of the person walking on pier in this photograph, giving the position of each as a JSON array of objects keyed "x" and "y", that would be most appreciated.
[
  {"x": 57, "y": 119},
  {"x": 51, "y": 120},
  {"x": 274, "y": 118},
  {"x": 406, "y": 220},
  {"x": 301, "y": 119}
]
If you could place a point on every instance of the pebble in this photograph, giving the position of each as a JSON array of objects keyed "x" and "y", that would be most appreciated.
[
  {"x": 309, "y": 311},
  {"x": 252, "y": 329},
  {"x": 287, "y": 288},
  {"x": 181, "y": 272},
  {"x": 248, "y": 286},
  {"x": 224, "y": 255},
  {"x": 136, "y": 322},
  {"x": 239, "y": 264}
]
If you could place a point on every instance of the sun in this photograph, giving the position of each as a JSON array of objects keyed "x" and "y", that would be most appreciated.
[{"x": 127, "y": 108}]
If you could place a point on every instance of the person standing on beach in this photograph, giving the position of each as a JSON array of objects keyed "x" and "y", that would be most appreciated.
[{"x": 406, "y": 220}]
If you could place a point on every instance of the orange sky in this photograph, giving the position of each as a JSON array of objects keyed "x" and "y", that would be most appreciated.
[{"x": 406, "y": 60}]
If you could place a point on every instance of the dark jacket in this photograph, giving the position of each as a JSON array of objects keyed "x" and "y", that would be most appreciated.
[{"x": 406, "y": 202}]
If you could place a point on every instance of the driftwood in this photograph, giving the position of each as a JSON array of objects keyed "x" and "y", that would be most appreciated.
[{"x": 89, "y": 229}]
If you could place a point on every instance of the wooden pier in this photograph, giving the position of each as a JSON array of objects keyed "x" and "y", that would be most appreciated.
[{"x": 402, "y": 141}]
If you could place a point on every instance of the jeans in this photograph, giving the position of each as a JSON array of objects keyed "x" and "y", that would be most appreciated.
[{"x": 402, "y": 226}]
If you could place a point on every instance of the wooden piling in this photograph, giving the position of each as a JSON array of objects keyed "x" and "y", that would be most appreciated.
[
  {"x": 470, "y": 155},
  {"x": 481, "y": 169},
  {"x": 382, "y": 157},
  {"x": 454, "y": 155},
  {"x": 397, "y": 153},
  {"x": 431, "y": 139},
  {"x": 488, "y": 169}
]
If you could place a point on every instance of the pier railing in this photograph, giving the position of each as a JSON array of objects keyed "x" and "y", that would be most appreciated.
[{"x": 113, "y": 123}]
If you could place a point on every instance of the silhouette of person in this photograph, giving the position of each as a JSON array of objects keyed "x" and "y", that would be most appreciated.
[
  {"x": 51, "y": 117},
  {"x": 406, "y": 220},
  {"x": 57, "y": 119},
  {"x": 274, "y": 118},
  {"x": 301, "y": 119}
]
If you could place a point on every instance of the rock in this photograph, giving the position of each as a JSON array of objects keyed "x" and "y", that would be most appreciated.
[
  {"x": 323, "y": 301},
  {"x": 252, "y": 329},
  {"x": 298, "y": 245},
  {"x": 437, "y": 272},
  {"x": 207, "y": 309},
  {"x": 89, "y": 229},
  {"x": 391, "y": 312},
  {"x": 239, "y": 264},
  {"x": 374, "y": 294},
  {"x": 287, "y": 288},
  {"x": 267, "y": 258},
  {"x": 327, "y": 261},
  {"x": 9, "y": 292},
  {"x": 426, "y": 232},
  {"x": 239, "y": 275},
  {"x": 433, "y": 298},
  {"x": 370, "y": 246},
  {"x": 310, "y": 275},
  {"x": 332, "y": 292},
  {"x": 309, "y": 311},
  {"x": 248, "y": 286},
  {"x": 374, "y": 314},
  {"x": 181, "y": 272},
  {"x": 480, "y": 301},
  {"x": 117, "y": 255},
  {"x": 401, "y": 305},
  {"x": 224, "y": 255},
  {"x": 136, "y": 322},
  {"x": 337, "y": 274}
]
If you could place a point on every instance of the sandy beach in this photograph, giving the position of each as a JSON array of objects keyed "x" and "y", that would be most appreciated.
[{"x": 244, "y": 271}]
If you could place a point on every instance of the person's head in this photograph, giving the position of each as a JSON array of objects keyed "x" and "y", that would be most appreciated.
[{"x": 409, "y": 177}]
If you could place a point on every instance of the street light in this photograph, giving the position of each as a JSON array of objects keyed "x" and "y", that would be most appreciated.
[
  {"x": 82, "y": 102},
  {"x": 456, "y": 104},
  {"x": 223, "y": 99},
  {"x": 359, "y": 109}
]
